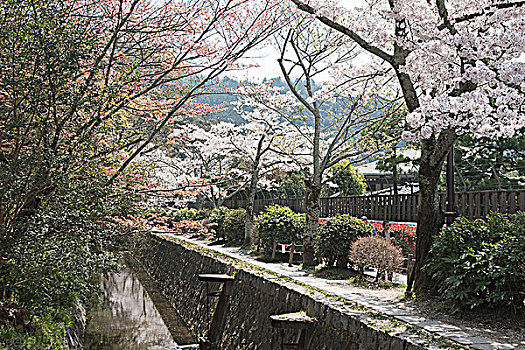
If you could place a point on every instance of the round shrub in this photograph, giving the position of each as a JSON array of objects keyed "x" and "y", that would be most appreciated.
[
  {"x": 216, "y": 222},
  {"x": 335, "y": 237},
  {"x": 377, "y": 252},
  {"x": 184, "y": 215},
  {"x": 280, "y": 224},
  {"x": 481, "y": 263},
  {"x": 234, "y": 225}
]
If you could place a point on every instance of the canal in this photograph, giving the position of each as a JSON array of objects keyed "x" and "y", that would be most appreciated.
[{"x": 132, "y": 314}]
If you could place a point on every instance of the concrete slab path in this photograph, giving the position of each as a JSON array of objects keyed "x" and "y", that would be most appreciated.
[{"x": 451, "y": 332}]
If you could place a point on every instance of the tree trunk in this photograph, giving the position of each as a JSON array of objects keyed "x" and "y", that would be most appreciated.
[
  {"x": 250, "y": 196},
  {"x": 313, "y": 211},
  {"x": 248, "y": 223},
  {"x": 430, "y": 221},
  {"x": 430, "y": 213},
  {"x": 250, "y": 200},
  {"x": 395, "y": 175}
]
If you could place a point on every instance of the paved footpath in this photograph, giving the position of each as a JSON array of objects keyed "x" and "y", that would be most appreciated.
[{"x": 451, "y": 332}]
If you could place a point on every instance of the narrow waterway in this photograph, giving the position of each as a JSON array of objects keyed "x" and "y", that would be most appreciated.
[{"x": 133, "y": 315}]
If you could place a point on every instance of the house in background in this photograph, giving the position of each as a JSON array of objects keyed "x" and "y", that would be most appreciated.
[{"x": 382, "y": 182}]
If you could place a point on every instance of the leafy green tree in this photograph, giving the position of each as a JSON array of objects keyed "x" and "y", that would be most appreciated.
[
  {"x": 55, "y": 231},
  {"x": 290, "y": 183},
  {"x": 78, "y": 79},
  {"x": 348, "y": 179},
  {"x": 490, "y": 163},
  {"x": 390, "y": 163}
]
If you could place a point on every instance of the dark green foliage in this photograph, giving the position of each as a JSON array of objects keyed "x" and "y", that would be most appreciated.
[
  {"x": 481, "y": 263},
  {"x": 53, "y": 256},
  {"x": 49, "y": 334},
  {"x": 349, "y": 181},
  {"x": 56, "y": 227},
  {"x": 217, "y": 217},
  {"x": 280, "y": 224},
  {"x": 291, "y": 183},
  {"x": 335, "y": 237},
  {"x": 489, "y": 163},
  {"x": 234, "y": 225}
]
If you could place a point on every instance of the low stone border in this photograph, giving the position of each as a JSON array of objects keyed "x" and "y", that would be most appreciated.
[
  {"x": 75, "y": 333},
  {"x": 346, "y": 321}
]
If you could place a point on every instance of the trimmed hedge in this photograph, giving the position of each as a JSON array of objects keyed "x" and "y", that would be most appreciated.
[
  {"x": 234, "y": 225},
  {"x": 280, "y": 224},
  {"x": 335, "y": 237},
  {"x": 216, "y": 223},
  {"x": 481, "y": 262}
]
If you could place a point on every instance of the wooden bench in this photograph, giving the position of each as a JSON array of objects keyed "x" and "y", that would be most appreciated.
[{"x": 286, "y": 248}]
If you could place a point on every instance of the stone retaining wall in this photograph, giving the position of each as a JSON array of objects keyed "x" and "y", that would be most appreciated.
[
  {"x": 75, "y": 333},
  {"x": 257, "y": 294}
]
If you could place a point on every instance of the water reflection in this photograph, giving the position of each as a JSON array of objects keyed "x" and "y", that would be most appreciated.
[{"x": 128, "y": 317}]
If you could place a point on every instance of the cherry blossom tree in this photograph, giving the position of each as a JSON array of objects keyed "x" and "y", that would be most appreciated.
[
  {"x": 226, "y": 159},
  {"x": 76, "y": 77},
  {"x": 257, "y": 143},
  {"x": 126, "y": 59},
  {"x": 328, "y": 122},
  {"x": 161, "y": 54},
  {"x": 199, "y": 162},
  {"x": 457, "y": 64}
]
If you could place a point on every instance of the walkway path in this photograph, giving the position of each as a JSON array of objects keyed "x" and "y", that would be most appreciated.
[{"x": 337, "y": 288}]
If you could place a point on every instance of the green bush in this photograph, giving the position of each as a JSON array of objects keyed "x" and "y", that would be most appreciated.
[
  {"x": 280, "y": 224},
  {"x": 202, "y": 214},
  {"x": 185, "y": 215},
  {"x": 45, "y": 331},
  {"x": 335, "y": 237},
  {"x": 234, "y": 225},
  {"x": 481, "y": 263},
  {"x": 349, "y": 181},
  {"x": 217, "y": 217}
]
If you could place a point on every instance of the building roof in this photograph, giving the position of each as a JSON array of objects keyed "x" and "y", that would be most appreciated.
[
  {"x": 370, "y": 168},
  {"x": 408, "y": 188}
]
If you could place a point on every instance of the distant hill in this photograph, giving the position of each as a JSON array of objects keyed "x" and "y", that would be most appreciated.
[{"x": 219, "y": 94}]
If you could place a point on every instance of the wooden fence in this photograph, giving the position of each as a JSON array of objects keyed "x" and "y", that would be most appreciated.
[{"x": 402, "y": 207}]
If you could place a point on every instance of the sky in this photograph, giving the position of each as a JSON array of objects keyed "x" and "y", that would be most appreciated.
[
  {"x": 265, "y": 57},
  {"x": 267, "y": 67}
]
